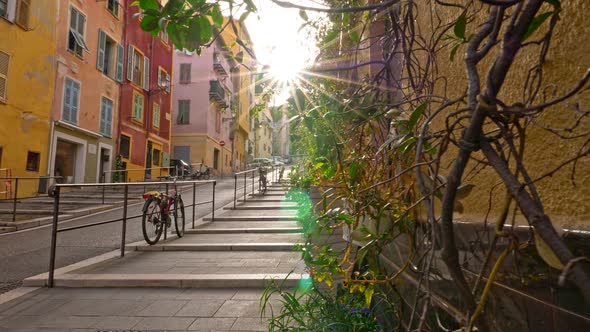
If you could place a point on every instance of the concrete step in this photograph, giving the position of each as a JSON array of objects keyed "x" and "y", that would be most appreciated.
[
  {"x": 252, "y": 218},
  {"x": 277, "y": 246},
  {"x": 6, "y": 229},
  {"x": 239, "y": 230},
  {"x": 263, "y": 207}
]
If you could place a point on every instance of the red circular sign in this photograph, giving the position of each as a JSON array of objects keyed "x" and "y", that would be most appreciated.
[{"x": 222, "y": 143}]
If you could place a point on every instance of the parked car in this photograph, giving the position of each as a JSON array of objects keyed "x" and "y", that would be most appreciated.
[{"x": 257, "y": 162}]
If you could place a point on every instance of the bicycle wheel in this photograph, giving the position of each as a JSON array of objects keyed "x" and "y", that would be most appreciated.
[
  {"x": 178, "y": 212},
  {"x": 151, "y": 221},
  {"x": 206, "y": 175}
]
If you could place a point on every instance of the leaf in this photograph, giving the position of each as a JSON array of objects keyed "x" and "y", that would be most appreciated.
[
  {"x": 217, "y": 16},
  {"x": 149, "y": 23},
  {"x": 535, "y": 24},
  {"x": 196, "y": 3},
  {"x": 554, "y": 3},
  {"x": 453, "y": 51},
  {"x": 194, "y": 33},
  {"x": 172, "y": 7},
  {"x": 460, "y": 27},
  {"x": 244, "y": 16},
  {"x": 416, "y": 115},
  {"x": 546, "y": 253},
  {"x": 464, "y": 190},
  {"x": 303, "y": 15},
  {"x": 206, "y": 29},
  {"x": 354, "y": 36},
  {"x": 149, "y": 4},
  {"x": 240, "y": 57},
  {"x": 369, "y": 294},
  {"x": 353, "y": 171}
]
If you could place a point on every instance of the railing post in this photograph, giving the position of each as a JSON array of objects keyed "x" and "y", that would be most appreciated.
[
  {"x": 53, "y": 236},
  {"x": 253, "y": 175},
  {"x": 15, "y": 198},
  {"x": 166, "y": 223},
  {"x": 245, "y": 186},
  {"x": 235, "y": 189},
  {"x": 123, "y": 231},
  {"x": 213, "y": 203},
  {"x": 103, "y": 187},
  {"x": 194, "y": 201}
]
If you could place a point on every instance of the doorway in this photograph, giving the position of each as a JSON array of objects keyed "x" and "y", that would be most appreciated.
[
  {"x": 65, "y": 161},
  {"x": 148, "y": 161}
]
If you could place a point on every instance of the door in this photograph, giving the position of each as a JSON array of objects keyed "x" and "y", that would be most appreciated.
[
  {"x": 65, "y": 161},
  {"x": 104, "y": 159},
  {"x": 148, "y": 161}
]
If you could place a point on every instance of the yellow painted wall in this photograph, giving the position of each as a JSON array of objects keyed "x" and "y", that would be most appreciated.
[
  {"x": 567, "y": 61},
  {"x": 24, "y": 116}
]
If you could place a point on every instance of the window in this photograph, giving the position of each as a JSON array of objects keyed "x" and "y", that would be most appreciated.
[
  {"x": 156, "y": 116},
  {"x": 22, "y": 13},
  {"x": 113, "y": 7},
  {"x": 4, "y": 8},
  {"x": 106, "y": 117},
  {"x": 33, "y": 159},
  {"x": 164, "y": 36},
  {"x": 137, "y": 107},
  {"x": 4, "y": 59},
  {"x": 109, "y": 57},
  {"x": 76, "y": 42},
  {"x": 125, "y": 146},
  {"x": 71, "y": 103},
  {"x": 163, "y": 79},
  {"x": 184, "y": 109},
  {"x": 156, "y": 157},
  {"x": 185, "y": 73},
  {"x": 138, "y": 68}
]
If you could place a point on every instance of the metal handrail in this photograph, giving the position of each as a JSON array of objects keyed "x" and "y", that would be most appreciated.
[
  {"x": 56, "y": 189},
  {"x": 255, "y": 171},
  {"x": 16, "y": 180}
]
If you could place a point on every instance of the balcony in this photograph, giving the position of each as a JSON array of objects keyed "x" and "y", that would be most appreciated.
[
  {"x": 218, "y": 65},
  {"x": 217, "y": 94}
]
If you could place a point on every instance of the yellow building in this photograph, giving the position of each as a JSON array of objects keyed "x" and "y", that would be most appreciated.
[
  {"x": 243, "y": 78},
  {"x": 27, "y": 70}
]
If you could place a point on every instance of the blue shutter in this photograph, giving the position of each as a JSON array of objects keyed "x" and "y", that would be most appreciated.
[
  {"x": 102, "y": 129},
  {"x": 75, "y": 104},
  {"x": 102, "y": 44},
  {"x": 119, "y": 69},
  {"x": 130, "y": 62},
  {"x": 146, "y": 73},
  {"x": 109, "y": 124},
  {"x": 67, "y": 109}
]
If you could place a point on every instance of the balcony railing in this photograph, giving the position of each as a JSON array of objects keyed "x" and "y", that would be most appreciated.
[
  {"x": 218, "y": 65},
  {"x": 217, "y": 93}
]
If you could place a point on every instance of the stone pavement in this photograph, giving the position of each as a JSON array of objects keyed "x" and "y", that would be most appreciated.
[{"x": 209, "y": 280}]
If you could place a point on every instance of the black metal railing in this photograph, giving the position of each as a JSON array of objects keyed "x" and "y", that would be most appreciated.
[
  {"x": 217, "y": 93},
  {"x": 9, "y": 188},
  {"x": 271, "y": 176},
  {"x": 56, "y": 195}
]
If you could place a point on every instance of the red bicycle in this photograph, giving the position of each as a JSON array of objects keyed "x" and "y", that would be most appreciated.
[{"x": 158, "y": 210}]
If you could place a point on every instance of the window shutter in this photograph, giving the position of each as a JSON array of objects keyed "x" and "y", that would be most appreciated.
[
  {"x": 22, "y": 13},
  {"x": 75, "y": 104},
  {"x": 103, "y": 120},
  {"x": 130, "y": 62},
  {"x": 146, "y": 73},
  {"x": 119, "y": 68},
  {"x": 159, "y": 77},
  {"x": 4, "y": 59},
  {"x": 109, "y": 119},
  {"x": 67, "y": 108},
  {"x": 102, "y": 44},
  {"x": 169, "y": 83}
]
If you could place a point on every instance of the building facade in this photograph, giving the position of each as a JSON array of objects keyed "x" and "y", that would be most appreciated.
[
  {"x": 202, "y": 115},
  {"x": 88, "y": 77},
  {"x": 26, "y": 90},
  {"x": 145, "y": 113},
  {"x": 262, "y": 134}
]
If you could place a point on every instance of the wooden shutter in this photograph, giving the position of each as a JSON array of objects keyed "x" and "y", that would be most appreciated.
[
  {"x": 103, "y": 118},
  {"x": 75, "y": 102},
  {"x": 146, "y": 73},
  {"x": 130, "y": 63},
  {"x": 119, "y": 68},
  {"x": 169, "y": 83},
  {"x": 109, "y": 118},
  {"x": 4, "y": 59},
  {"x": 159, "y": 77},
  {"x": 102, "y": 44},
  {"x": 22, "y": 13},
  {"x": 67, "y": 108}
]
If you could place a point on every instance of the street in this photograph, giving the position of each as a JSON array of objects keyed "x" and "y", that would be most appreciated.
[{"x": 26, "y": 253}]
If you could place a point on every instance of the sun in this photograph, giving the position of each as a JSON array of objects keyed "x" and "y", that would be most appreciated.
[{"x": 286, "y": 64}]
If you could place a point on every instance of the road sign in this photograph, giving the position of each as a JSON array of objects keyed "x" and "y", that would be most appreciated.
[{"x": 222, "y": 143}]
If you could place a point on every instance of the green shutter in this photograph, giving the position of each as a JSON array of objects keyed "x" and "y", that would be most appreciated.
[
  {"x": 102, "y": 44},
  {"x": 146, "y": 73},
  {"x": 130, "y": 62},
  {"x": 119, "y": 69}
]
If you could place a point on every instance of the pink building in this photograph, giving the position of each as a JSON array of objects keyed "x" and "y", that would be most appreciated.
[{"x": 202, "y": 126}]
